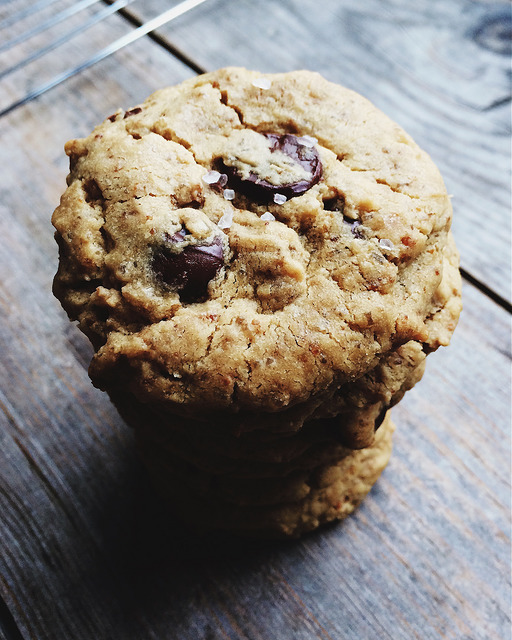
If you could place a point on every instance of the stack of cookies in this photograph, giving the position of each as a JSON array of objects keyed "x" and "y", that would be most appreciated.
[{"x": 262, "y": 263}]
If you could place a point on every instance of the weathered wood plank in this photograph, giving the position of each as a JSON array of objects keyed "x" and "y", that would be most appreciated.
[
  {"x": 87, "y": 551},
  {"x": 440, "y": 69}
]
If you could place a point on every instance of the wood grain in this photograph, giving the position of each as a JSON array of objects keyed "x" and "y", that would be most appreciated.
[
  {"x": 440, "y": 69},
  {"x": 87, "y": 551}
]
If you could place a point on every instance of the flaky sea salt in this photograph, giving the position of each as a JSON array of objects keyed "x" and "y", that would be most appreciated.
[
  {"x": 226, "y": 221},
  {"x": 386, "y": 244},
  {"x": 212, "y": 177},
  {"x": 308, "y": 141},
  {"x": 267, "y": 216},
  {"x": 229, "y": 194},
  {"x": 261, "y": 83},
  {"x": 279, "y": 198}
]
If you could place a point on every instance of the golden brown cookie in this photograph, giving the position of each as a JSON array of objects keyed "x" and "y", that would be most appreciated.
[
  {"x": 288, "y": 505},
  {"x": 262, "y": 263}
]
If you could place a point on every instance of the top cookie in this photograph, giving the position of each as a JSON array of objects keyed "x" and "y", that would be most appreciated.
[{"x": 242, "y": 241}]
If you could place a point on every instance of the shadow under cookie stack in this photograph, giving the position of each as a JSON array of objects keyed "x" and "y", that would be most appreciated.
[{"x": 262, "y": 263}]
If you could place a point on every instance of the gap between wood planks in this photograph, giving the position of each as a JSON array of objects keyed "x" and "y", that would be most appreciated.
[
  {"x": 8, "y": 627},
  {"x": 483, "y": 288}
]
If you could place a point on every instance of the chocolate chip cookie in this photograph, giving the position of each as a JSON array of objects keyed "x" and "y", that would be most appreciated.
[{"x": 262, "y": 263}]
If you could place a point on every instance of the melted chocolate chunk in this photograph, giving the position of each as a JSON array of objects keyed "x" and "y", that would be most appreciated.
[
  {"x": 132, "y": 112},
  {"x": 190, "y": 270},
  {"x": 260, "y": 189}
]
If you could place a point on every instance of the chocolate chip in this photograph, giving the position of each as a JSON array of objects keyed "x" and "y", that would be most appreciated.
[
  {"x": 190, "y": 270},
  {"x": 337, "y": 204},
  {"x": 132, "y": 112},
  {"x": 302, "y": 153},
  {"x": 355, "y": 228},
  {"x": 179, "y": 236}
]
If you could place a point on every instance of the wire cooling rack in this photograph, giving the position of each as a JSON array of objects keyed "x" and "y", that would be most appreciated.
[{"x": 42, "y": 16}]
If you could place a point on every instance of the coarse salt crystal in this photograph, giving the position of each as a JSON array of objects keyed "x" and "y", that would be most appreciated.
[
  {"x": 261, "y": 83},
  {"x": 267, "y": 216},
  {"x": 229, "y": 194},
  {"x": 226, "y": 221},
  {"x": 308, "y": 141},
  {"x": 212, "y": 177},
  {"x": 279, "y": 198},
  {"x": 386, "y": 244}
]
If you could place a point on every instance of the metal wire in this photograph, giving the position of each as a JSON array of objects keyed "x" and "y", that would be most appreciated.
[
  {"x": 24, "y": 13},
  {"x": 145, "y": 28},
  {"x": 47, "y": 24},
  {"x": 98, "y": 17}
]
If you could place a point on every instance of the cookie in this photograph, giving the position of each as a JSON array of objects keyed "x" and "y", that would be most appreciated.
[
  {"x": 287, "y": 507},
  {"x": 262, "y": 263}
]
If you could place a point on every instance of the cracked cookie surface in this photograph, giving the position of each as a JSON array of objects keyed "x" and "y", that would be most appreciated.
[{"x": 201, "y": 296}]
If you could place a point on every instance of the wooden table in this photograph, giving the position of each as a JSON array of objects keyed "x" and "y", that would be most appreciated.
[{"x": 86, "y": 551}]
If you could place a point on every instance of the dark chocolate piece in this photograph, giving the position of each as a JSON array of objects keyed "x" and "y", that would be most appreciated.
[
  {"x": 355, "y": 228},
  {"x": 132, "y": 112},
  {"x": 190, "y": 270},
  {"x": 262, "y": 190}
]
